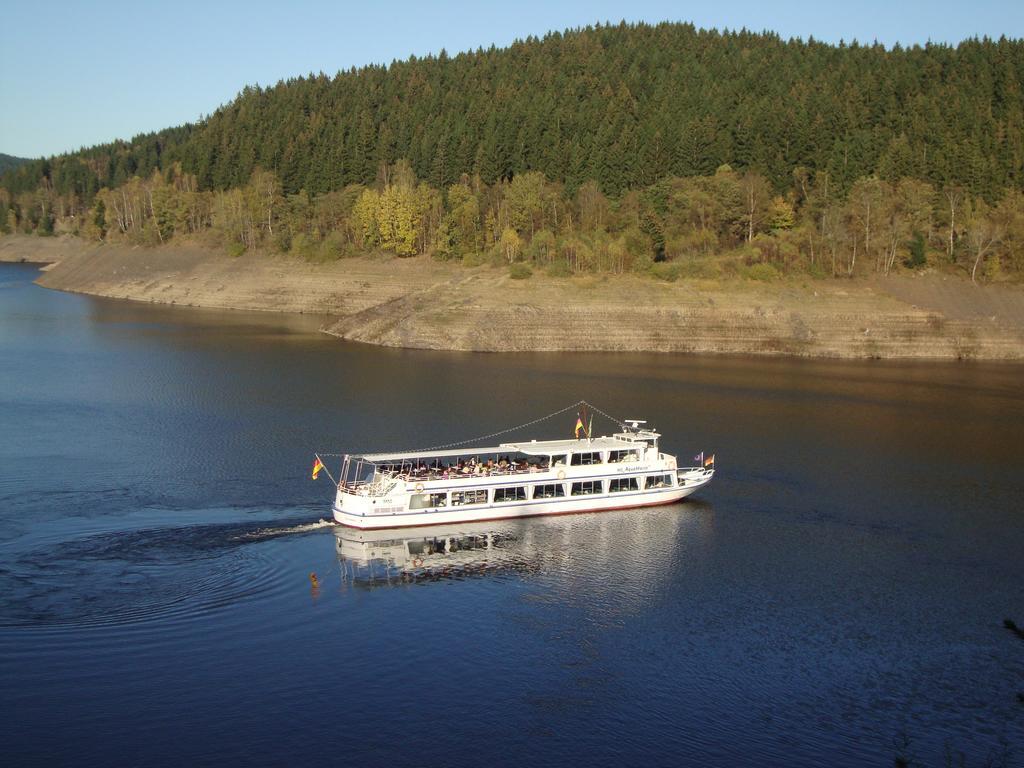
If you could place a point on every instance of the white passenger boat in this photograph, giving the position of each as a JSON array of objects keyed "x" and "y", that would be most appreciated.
[{"x": 514, "y": 479}]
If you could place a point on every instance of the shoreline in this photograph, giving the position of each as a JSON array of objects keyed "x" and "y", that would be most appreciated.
[{"x": 420, "y": 303}]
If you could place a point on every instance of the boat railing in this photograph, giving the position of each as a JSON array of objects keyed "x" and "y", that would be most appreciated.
[
  {"x": 432, "y": 474},
  {"x": 687, "y": 470},
  {"x": 373, "y": 487},
  {"x": 353, "y": 486},
  {"x": 383, "y": 482}
]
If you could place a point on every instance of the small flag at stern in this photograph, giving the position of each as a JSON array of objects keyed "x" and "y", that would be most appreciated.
[
  {"x": 317, "y": 466},
  {"x": 710, "y": 461}
]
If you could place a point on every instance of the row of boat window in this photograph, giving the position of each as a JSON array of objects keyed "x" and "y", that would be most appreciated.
[
  {"x": 502, "y": 465},
  {"x": 515, "y": 493},
  {"x": 594, "y": 457}
]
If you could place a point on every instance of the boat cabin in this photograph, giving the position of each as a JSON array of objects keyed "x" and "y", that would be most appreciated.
[
  {"x": 376, "y": 474},
  {"x": 512, "y": 479}
]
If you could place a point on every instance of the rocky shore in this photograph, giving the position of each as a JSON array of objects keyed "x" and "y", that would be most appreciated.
[{"x": 422, "y": 303}]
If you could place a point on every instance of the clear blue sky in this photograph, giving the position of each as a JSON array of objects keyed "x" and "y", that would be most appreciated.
[{"x": 78, "y": 73}]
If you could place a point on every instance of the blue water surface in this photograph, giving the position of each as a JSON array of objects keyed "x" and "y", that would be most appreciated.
[{"x": 835, "y": 597}]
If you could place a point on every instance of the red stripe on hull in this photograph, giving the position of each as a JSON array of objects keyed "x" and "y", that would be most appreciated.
[{"x": 509, "y": 517}]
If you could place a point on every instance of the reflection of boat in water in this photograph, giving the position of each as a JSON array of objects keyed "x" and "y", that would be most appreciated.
[
  {"x": 423, "y": 552},
  {"x": 615, "y": 548},
  {"x": 513, "y": 480}
]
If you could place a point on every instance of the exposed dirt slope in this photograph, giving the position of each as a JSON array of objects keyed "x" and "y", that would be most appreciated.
[
  {"x": 958, "y": 298},
  {"x": 198, "y": 276},
  {"x": 425, "y": 304},
  {"x": 39, "y": 250},
  {"x": 494, "y": 313}
]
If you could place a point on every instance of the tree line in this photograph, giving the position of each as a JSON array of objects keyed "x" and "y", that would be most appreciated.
[{"x": 719, "y": 225}]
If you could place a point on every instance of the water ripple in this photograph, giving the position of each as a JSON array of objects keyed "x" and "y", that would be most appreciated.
[{"x": 124, "y": 577}]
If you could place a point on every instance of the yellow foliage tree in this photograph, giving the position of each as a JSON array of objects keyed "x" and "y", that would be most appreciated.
[
  {"x": 781, "y": 214},
  {"x": 510, "y": 244},
  {"x": 365, "y": 212}
]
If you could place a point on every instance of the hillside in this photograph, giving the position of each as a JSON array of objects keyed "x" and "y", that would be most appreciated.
[
  {"x": 9, "y": 162},
  {"x": 623, "y": 105}
]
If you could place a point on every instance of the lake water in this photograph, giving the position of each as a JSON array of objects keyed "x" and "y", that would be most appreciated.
[{"x": 835, "y": 597}]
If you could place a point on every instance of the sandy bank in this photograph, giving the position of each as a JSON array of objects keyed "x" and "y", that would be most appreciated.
[
  {"x": 425, "y": 304},
  {"x": 40, "y": 250}
]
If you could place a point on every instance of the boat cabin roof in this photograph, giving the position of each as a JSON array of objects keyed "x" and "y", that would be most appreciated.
[
  {"x": 529, "y": 448},
  {"x": 546, "y": 447}
]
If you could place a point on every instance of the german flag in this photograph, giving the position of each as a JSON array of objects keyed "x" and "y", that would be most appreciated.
[
  {"x": 317, "y": 466},
  {"x": 579, "y": 426}
]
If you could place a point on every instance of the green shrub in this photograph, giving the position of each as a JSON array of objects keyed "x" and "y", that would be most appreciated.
[
  {"x": 519, "y": 271},
  {"x": 443, "y": 254},
  {"x": 332, "y": 248},
  {"x": 817, "y": 271},
  {"x": 301, "y": 245},
  {"x": 236, "y": 249},
  {"x": 283, "y": 241},
  {"x": 542, "y": 248},
  {"x": 765, "y": 272},
  {"x": 665, "y": 270},
  {"x": 690, "y": 268},
  {"x": 916, "y": 258},
  {"x": 496, "y": 258},
  {"x": 642, "y": 265},
  {"x": 993, "y": 268},
  {"x": 559, "y": 269}
]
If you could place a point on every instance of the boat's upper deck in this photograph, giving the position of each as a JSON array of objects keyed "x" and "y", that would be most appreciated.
[
  {"x": 549, "y": 448},
  {"x": 477, "y": 462}
]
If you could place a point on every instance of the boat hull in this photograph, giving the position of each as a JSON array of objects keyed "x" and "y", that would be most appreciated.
[{"x": 506, "y": 511}]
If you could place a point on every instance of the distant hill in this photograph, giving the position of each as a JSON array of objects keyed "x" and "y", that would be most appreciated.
[
  {"x": 666, "y": 149},
  {"x": 7, "y": 162},
  {"x": 624, "y": 105}
]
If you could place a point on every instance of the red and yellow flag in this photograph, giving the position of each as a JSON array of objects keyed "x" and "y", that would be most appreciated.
[
  {"x": 710, "y": 461},
  {"x": 579, "y": 426},
  {"x": 317, "y": 466}
]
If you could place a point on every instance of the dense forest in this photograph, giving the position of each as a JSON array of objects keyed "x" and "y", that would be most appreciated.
[
  {"x": 8, "y": 162},
  {"x": 612, "y": 148}
]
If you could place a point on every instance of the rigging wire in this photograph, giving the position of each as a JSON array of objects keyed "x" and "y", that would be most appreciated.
[{"x": 551, "y": 415}]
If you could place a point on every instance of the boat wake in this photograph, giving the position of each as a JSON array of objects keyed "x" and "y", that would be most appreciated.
[
  {"x": 274, "y": 532},
  {"x": 165, "y": 574}
]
